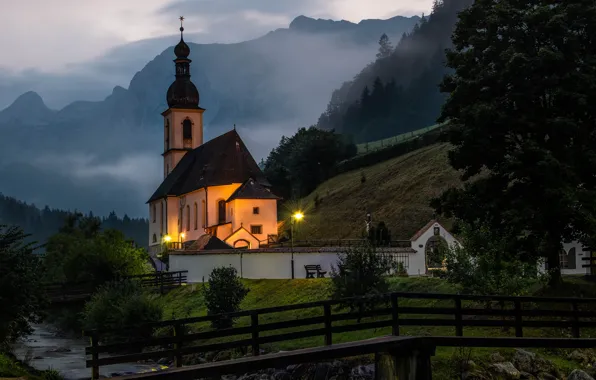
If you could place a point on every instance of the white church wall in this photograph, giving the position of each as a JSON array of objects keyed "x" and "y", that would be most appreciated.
[
  {"x": 214, "y": 195},
  {"x": 196, "y": 197},
  {"x": 262, "y": 265},
  {"x": 242, "y": 215},
  {"x": 419, "y": 245}
]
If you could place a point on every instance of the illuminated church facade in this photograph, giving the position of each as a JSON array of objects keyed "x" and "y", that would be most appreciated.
[{"x": 209, "y": 189}]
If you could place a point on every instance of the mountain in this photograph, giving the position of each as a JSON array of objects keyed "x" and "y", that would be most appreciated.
[
  {"x": 398, "y": 92},
  {"x": 27, "y": 109},
  {"x": 268, "y": 87}
]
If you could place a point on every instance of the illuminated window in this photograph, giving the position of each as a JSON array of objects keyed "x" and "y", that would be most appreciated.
[
  {"x": 255, "y": 210},
  {"x": 256, "y": 230},
  {"x": 221, "y": 206}
]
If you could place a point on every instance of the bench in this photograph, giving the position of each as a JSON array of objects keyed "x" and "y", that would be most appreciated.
[{"x": 312, "y": 269}]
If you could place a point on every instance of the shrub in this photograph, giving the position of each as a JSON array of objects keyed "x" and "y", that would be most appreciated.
[
  {"x": 360, "y": 273},
  {"x": 224, "y": 295},
  {"x": 399, "y": 269},
  {"x": 122, "y": 304},
  {"x": 20, "y": 291}
]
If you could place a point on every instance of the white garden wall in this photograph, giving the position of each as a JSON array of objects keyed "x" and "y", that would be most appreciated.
[{"x": 257, "y": 264}]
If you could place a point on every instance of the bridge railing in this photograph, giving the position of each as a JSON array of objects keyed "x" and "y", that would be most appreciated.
[{"x": 324, "y": 322}]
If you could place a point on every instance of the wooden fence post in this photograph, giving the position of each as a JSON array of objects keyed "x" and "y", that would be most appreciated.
[
  {"x": 459, "y": 328},
  {"x": 254, "y": 324},
  {"x": 394, "y": 315},
  {"x": 328, "y": 332},
  {"x": 94, "y": 356},
  {"x": 518, "y": 319},
  {"x": 575, "y": 328},
  {"x": 178, "y": 333}
]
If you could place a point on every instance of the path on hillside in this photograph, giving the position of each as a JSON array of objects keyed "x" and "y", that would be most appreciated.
[{"x": 49, "y": 349}]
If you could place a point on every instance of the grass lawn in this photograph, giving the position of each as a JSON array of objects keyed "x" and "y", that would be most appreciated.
[
  {"x": 188, "y": 301},
  {"x": 397, "y": 191}
]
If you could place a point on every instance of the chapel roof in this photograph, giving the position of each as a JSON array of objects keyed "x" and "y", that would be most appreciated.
[
  {"x": 207, "y": 242},
  {"x": 221, "y": 161},
  {"x": 252, "y": 190}
]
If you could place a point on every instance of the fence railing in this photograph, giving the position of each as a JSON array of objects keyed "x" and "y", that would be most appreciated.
[
  {"x": 58, "y": 291},
  {"x": 329, "y": 322}
]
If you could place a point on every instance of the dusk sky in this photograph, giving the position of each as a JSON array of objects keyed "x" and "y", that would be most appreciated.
[{"x": 48, "y": 36}]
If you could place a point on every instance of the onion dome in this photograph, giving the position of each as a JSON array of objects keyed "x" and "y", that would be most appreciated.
[{"x": 182, "y": 92}]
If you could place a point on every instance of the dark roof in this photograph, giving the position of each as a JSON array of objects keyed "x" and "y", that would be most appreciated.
[
  {"x": 221, "y": 161},
  {"x": 252, "y": 190},
  {"x": 207, "y": 242}
]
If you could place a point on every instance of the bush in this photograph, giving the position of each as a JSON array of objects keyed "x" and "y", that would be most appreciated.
[
  {"x": 122, "y": 304},
  {"x": 399, "y": 269},
  {"x": 360, "y": 272},
  {"x": 224, "y": 295},
  {"x": 21, "y": 297},
  {"x": 483, "y": 265}
]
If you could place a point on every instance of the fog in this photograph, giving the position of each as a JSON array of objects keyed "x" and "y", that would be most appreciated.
[{"x": 107, "y": 156}]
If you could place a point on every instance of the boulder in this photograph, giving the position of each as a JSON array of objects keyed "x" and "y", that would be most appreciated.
[
  {"x": 496, "y": 357},
  {"x": 578, "y": 374},
  {"x": 524, "y": 361},
  {"x": 506, "y": 369}
]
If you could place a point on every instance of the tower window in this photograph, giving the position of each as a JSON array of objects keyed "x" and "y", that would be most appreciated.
[
  {"x": 187, "y": 133},
  {"x": 255, "y": 210},
  {"x": 256, "y": 230},
  {"x": 154, "y": 240},
  {"x": 167, "y": 135}
]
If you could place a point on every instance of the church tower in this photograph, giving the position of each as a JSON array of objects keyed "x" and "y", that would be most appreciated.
[{"x": 183, "y": 120}]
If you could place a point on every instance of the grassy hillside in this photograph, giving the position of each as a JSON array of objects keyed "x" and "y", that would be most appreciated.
[
  {"x": 380, "y": 144},
  {"x": 189, "y": 301},
  {"x": 397, "y": 191}
]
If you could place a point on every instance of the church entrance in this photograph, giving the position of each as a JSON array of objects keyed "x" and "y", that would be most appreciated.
[
  {"x": 435, "y": 252},
  {"x": 241, "y": 243}
]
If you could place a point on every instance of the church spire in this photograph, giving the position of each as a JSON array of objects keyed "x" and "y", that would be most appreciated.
[{"x": 182, "y": 93}]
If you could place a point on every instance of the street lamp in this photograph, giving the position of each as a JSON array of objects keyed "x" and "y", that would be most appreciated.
[{"x": 296, "y": 217}]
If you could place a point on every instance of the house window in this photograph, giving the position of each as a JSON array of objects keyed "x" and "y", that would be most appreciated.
[
  {"x": 221, "y": 213},
  {"x": 188, "y": 218},
  {"x": 255, "y": 210},
  {"x": 154, "y": 214},
  {"x": 161, "y": 220},
  {"x": 256, "y": 230},
  {"x": 196, "y": 216}
]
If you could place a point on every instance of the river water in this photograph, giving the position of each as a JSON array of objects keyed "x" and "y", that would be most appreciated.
[{"x": 48, "y": 349}]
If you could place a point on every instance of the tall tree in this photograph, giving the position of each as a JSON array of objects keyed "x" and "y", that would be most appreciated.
[
  {"x": 20, "y": 290},
  {"x": 522, "y": 116},
  {"x": 385, "y": 48}
]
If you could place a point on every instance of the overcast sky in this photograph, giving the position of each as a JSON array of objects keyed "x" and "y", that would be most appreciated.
[{"x": 51, "y": 35}]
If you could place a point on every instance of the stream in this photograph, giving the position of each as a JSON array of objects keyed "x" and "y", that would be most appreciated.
[{"x": 48, "y": 349}]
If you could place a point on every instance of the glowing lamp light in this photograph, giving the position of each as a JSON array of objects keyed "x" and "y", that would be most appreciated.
[
  {"x": 182, "y": 235},
  {"x": 167, "y": 238},
  {"x": 298, "y": 216}
]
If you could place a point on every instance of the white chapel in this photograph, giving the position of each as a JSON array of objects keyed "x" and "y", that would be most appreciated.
[{"x": 210, "y": 189}]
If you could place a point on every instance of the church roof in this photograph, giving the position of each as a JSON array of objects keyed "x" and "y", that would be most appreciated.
[
  {"x": 207, "y": 242},
  {"x": 221, "y": 161},
  {"x": 252, "y": 190}
]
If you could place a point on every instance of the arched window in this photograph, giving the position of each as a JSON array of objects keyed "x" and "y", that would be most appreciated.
[
  {"x": 167, "y": 135},
  {"x": 563, "y": 259},
  {"x": 161, "y": 220},
  {"x": 196, "y": 216},
  {"x": 154, "y": 238},
  {"x": 221, "y": 211},
  {"x": 154, "y": 213},
  {"x": 188, "y": 218},
  {"x": 204, "y": 213},
  {"x": 187, "y": 133},
  {"x": 571, "y": 256}
]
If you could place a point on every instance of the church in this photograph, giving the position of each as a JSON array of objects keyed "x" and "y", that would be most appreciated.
[{"x": 209, "y": 189}]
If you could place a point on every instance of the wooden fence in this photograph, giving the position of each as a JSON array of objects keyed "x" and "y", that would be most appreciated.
[
  {"x": 77, "y": 291},
  {"x": 183, "y": 342}
]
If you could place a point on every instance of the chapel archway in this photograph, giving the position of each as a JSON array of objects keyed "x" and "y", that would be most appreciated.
[
  {"x": 435, "y": 252},
  {"x": 242, "y": 243}
]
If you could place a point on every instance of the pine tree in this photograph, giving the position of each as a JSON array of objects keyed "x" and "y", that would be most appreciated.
[{"x": 385, "y": 48}]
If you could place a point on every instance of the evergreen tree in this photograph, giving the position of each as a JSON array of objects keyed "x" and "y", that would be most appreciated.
[
  {"x": 385, "y": 48},
  {"x": 521, "y": 112}
]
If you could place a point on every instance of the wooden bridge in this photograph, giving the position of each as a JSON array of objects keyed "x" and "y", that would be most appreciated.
[
  {"x": 396, "y": 354},
  {"x": 70, "y": 292}
]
